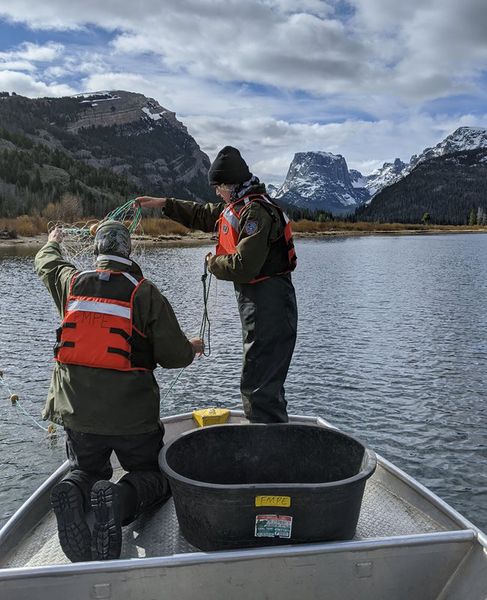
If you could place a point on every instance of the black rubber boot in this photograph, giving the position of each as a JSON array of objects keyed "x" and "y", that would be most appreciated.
[
  {"x": 73, "y": 530},
  {"x": 107, "y": 529}
]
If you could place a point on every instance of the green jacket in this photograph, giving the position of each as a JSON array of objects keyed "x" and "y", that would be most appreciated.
[
  {"x": 106, "y": 401},
  {"x": 252, "y": 250}
]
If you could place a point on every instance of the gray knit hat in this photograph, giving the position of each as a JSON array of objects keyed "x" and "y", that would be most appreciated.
[{"x": 112, "y": 237}]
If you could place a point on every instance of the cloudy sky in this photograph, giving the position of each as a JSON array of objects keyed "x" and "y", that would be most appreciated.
[{"x": 369, "y": 79}]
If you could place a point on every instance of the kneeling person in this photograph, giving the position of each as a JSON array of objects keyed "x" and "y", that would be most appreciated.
[{"x": 116, "y": 328}]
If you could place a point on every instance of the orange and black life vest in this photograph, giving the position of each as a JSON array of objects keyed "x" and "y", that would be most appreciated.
[
  {"x": 98, "y": 329},
  {"x": 282, "y": 255}
]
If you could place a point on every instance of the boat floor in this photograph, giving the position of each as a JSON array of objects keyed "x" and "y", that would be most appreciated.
[
  {"x": 384, "y": 514},
  {"x": 157, "y": 534}
]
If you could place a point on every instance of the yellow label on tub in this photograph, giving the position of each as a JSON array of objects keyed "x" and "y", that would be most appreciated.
[{"x": 273, "y": 501}]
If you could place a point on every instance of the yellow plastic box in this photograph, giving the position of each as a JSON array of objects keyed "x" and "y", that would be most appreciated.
[{"x": 211, "y": 416}]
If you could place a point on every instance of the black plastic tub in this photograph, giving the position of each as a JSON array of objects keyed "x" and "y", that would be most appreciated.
[{"x": 239, "y": 486}]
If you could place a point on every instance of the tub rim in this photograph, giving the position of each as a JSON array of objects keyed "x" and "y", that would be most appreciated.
[{"x": 367, "y": 468}]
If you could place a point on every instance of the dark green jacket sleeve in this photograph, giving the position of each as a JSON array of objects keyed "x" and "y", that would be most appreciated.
[
  {"x": 257, "y": 230},
  {"x": 193, "y": 215},
  {"x": 55, "y": 273},
  {"x": 154, "y": 316}
]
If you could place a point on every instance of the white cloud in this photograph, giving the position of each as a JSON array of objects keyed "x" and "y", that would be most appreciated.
[
  {"x": 16, "y": 65},
  {"x": 414, "y": 50},
  {"x": 37, "y": 53},
  {"x": 115, "y": 81},
  {"x": 435, "y": 48},
  {"x": 34, "y": 52},
  {"x": 273, "y": 77},
  {"x": 28, "y": 85}
]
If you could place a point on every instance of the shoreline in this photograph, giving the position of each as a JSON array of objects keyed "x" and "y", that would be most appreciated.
[
  {"x": 358, "y": 232},
  {"x": 191, "y": 239},
  {"x": 201, "y": 239}
]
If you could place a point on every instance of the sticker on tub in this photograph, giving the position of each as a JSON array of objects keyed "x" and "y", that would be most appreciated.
[
  {"x": 273, "y": 501},
  {"x": 273, "y": 526}
]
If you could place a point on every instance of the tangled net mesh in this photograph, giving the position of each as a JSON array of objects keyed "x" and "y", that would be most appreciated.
[{"x": 78, "y": 237}]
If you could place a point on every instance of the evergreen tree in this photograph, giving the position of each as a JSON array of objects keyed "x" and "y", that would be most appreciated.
[{"x": 472, "y": 217}]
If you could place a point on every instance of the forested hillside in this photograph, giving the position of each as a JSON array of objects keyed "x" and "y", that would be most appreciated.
[
  {"x": 450, "y": 190},
  {"x": 32, "y": 176}
]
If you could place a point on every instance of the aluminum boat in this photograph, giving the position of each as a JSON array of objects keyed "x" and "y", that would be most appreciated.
[{"x": 409, "y": 544}]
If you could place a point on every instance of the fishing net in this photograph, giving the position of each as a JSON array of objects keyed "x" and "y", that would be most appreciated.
[{"x": 78, "y": 237}]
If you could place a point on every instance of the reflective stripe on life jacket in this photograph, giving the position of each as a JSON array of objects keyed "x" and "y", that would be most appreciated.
[
  {"x": 97, "y": 329},
  {"x": 229, "y": 231}
]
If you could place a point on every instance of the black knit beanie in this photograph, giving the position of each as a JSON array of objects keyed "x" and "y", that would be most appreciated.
[{"x": 228, "y": 167}]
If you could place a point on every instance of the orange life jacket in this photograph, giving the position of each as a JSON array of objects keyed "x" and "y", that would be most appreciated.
[
  {"x": 98, "y": 329},
  {"x": 229, "y": 231}
]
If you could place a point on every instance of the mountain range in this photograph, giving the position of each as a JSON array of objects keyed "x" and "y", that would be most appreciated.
[
  {"x": 322, "y": 181},
  {"x": 100, "y": 148},
  {"x": 445, "y": 189}
]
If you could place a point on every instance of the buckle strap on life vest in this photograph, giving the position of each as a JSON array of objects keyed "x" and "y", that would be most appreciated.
[
  {"x": 123, "y": 353},
  {"x": 62, "y": 343},
  {"x": 121, "y": 332}
]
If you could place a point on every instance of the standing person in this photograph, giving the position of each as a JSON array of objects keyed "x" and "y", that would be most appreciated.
[
  {"x": 116, "y": 327},
  {"x": 255, "y": 250}
]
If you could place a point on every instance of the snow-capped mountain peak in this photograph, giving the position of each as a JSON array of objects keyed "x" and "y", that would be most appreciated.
[
  {"x": 321, "y": 181},
  {"x": 463, "y": 138}
]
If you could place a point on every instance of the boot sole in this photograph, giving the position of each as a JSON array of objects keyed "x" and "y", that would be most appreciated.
[
  {"x": 74, "y": 533},
  {"x": 107, "y": 530}
]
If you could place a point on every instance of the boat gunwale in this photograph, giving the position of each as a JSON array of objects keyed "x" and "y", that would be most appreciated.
[
  {"x": 198, "y": 558},
  {"x": 24, "y": 510}
]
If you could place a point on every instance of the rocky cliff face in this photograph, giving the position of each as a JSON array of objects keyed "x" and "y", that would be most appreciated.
[
  {"x": 322, "y": 181},
  {"x": 145, "y": 142},
  {"x": 104, "y": 109},
  {"x": 128, "y": 133}
]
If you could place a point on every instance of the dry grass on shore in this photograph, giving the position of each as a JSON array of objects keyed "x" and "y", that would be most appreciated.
[
  {"x": 25, "y": 225},
  {"x": 154, "y": 226},
  {"x": 31, "y": 226},
  {"x": 305, "y": 226}
]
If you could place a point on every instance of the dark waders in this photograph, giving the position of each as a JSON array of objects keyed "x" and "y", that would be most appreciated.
[{"x": 268, "y": 313}]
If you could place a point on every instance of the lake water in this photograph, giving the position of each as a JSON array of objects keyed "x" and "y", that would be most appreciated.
[{"x": 392, "y": 348}]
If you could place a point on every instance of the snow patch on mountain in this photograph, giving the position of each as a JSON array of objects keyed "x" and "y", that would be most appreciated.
[
  {"x": 271, "y": 190},
  {"x": 357, "y": 179},
  {"x": 384, "y": 176}
]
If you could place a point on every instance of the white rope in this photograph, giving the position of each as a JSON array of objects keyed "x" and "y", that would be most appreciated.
[{"x": 51, "y": 429}]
